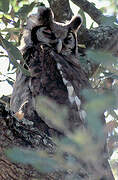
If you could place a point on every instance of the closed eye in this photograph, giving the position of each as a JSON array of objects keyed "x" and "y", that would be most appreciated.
[{"x": 47, "y": 32}]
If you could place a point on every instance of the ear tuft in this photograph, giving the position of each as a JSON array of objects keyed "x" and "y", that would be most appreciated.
[
  {"x": 46, "y": 15},
  {"x": 76, "y": 23}
]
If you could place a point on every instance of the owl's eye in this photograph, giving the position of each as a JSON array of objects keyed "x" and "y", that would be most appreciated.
[{"x": 47, "y": 32}]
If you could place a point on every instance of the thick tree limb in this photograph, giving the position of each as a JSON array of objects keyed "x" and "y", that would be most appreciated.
[
  {"x": 61, "y": 9},
  {"x": 90, "y": 9},
  {"x": 102, "y": 37}
]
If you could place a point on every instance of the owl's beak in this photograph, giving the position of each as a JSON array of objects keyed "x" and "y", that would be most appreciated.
[{"x": 59, "y": 45}]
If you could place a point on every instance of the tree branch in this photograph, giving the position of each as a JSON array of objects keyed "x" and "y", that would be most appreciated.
[
  {"x": 90, "y": 9},
  {"x": 61, "y": 9},
  {"x": 102, "y": 37}
]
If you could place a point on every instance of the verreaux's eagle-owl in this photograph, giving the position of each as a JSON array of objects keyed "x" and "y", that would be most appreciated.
[{"x": 51, "y": 54}]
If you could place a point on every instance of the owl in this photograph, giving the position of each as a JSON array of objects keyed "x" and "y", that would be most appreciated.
[{"x": 51, "y": 55}]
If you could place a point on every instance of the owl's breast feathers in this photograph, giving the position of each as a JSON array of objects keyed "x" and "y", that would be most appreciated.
[
  {"x": 55, "y": 76},
  {"x": 45, "y": 77}
]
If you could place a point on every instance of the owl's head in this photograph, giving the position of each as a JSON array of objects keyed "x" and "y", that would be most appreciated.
[{"x": 43, "y": 29}]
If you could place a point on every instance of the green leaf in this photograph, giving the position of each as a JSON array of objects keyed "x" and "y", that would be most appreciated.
[
  {"x": 102, "y": 57},
  {"x": 4, "y": 5},
  {"x": 101, "y": 101},
  {"x": 11, "y": 30},
  {"x": 3, "y": 56},
  {"x": 5, "y": 20},
  {"x": 95, "y": 107},
  {"x": 39, "y": 160},
  {"x": 14, "y": 54},
  {"x": 54, "y": 114},
  {"x": 10, "y": 82},
  {"x": 68, "y": 143},
  {"x": 12, "y": 50},
  {"x": 23, "y": 11},
  {"x": 17, "y": 24}
]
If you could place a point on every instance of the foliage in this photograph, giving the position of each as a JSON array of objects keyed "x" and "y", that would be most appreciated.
[
  {"x": 13, "y": 16},
  {"x": 39, "y": 160},
  {"x": 81, "y": 143}
]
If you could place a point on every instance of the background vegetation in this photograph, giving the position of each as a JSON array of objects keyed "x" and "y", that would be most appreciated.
[{"x": 101, "y": 64}]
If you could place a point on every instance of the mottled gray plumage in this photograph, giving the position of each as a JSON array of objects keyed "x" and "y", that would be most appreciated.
[{"x": 50, "y": 52}]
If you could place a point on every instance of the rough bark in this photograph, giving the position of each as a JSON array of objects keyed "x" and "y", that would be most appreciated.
[
  {"x": 61, "y": 9},
  {"x": 102, "y": 37},
  {"x": 10, "y": 138},
  {"x": 96, "y": 38}
]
